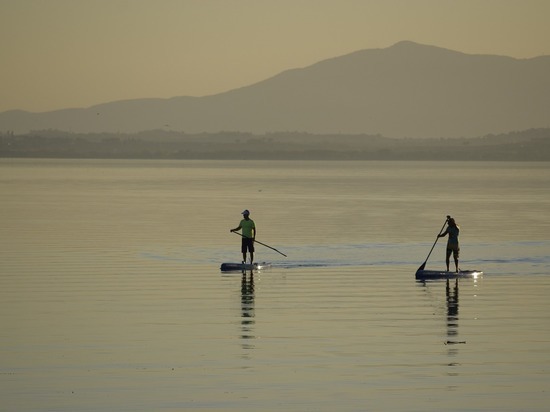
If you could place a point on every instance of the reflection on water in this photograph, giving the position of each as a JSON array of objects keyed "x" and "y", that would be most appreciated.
[
  {"x": 451, "y": 295},
  {"x": 452, "y": 312},
  {"x": 452, "y": 341},
  {"x": 247, "y": 311}
]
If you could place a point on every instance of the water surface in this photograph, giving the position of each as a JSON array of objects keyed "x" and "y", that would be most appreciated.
[{"x": 111, "y": 296}]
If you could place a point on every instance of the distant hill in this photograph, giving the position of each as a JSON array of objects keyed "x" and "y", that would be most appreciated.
[{"x": 406, "y": 90}]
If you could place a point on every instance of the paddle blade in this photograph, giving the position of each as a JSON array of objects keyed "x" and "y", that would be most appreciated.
[{"x": 422, "y": 266}]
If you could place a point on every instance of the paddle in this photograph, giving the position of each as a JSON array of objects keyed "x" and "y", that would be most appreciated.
[
  {"x": 261, "y": 244},
  {"x": 423, "y": 265}
]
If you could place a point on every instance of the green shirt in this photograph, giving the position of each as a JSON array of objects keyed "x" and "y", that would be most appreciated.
[{"x": 247, "y": 226}]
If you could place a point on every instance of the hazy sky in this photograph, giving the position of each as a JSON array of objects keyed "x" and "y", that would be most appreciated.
[{"x": 77, "y": 53}]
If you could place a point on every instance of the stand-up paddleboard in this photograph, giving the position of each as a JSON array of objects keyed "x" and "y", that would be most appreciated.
[
  {"x": 423, "y": 274},
  {"x": 442, "y": 274},
  {"x": 239, "y": 267}
]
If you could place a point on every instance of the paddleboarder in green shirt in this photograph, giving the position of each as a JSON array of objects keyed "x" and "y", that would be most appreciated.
[
  {"x": 248, "y": 228},
  {"x": 453, "y": 245}
]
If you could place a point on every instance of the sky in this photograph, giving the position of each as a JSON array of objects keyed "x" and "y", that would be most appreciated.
[{"x": 60, "y": 54}]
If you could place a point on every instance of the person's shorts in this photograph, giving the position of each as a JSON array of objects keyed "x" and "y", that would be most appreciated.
[
  {"x": 247, "y": 244},
  {"x": 454, "y": 249}
]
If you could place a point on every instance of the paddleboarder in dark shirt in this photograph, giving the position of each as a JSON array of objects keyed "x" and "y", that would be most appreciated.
[
  {"x": 453, "y": 245},
  {"x": 248, "y": 233}
]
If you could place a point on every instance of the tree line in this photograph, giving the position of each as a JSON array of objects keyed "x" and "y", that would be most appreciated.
[{"x": 528, "y": 145}]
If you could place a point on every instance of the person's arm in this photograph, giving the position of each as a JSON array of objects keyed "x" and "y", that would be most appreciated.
[
  {"x": 444, "y": 233},
  {"x": 237, "y": 228},
  {"x": 254, "y": 233}
]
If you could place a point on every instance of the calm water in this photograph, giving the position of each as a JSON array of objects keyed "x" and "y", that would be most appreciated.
[{"x": 111, "y": 297}]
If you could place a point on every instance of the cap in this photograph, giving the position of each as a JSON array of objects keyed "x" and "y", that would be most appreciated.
[{"x": 245, "y": 212}]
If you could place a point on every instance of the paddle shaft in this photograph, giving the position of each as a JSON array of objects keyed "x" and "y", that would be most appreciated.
[
  {"x": 436, "y": 239},
  {"x": 255, "y": 241}
]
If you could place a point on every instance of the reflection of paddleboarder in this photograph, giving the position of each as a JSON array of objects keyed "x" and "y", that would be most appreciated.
[
  {"x": 248, "y": 235},
  {"x": 452, "y": 313},
  {"x": 453, "y": 245},
  {"x": 247, "y": 297},
  {"x": 247, "y": 312}
]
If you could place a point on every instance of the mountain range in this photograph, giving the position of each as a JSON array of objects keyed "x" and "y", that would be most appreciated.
[{"x": 406, "y": 90}]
